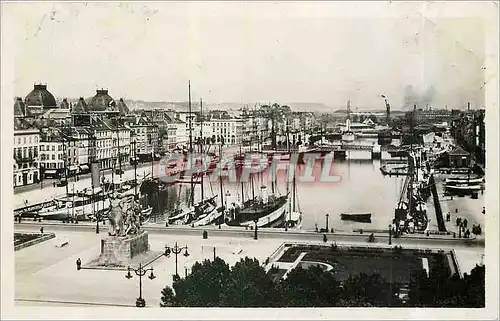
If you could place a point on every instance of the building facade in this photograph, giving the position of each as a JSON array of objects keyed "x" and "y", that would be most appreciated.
[{"x": 26, "y": 154}]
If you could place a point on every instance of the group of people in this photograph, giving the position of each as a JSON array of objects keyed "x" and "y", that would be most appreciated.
[{"x": 461, "y": 224}]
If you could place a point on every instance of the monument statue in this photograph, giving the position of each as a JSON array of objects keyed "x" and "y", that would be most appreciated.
[
  {"x": 124, "y": 217},
  {"x": 126, "y": 239}
]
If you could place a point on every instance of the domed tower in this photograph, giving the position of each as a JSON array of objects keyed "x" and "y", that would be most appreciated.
[
  {"x": 39, "y": 100},
  {"x": 80, "y": 114},
  {"x": 65, "y": 104},
  {"x": 80, "y": 107},
  {"x": 122, "y": 108},
  {"x": 102, "y": 102},
  {"x": 19, "y": 108}
]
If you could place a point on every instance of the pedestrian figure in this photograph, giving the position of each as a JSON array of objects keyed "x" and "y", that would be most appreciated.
[
  {"x": 447, "y": 217},
  {"x": 54, "y": 183},
  {"x": 456, "y": 210},
  {"x": 458, "y": 221},
  {"x": 78, "y": 264},
  {"x": 465, "y": 223},
  {"x": 41, "y": 230},
  {"x": 484, "y": 210}
]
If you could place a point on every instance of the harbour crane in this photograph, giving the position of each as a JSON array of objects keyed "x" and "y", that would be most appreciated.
[{"x": 387, "y": 110}]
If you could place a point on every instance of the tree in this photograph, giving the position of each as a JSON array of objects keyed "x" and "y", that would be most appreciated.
[
  {"x": 369, "y": 289},
  {"x": 205, "y": 286},
  {"x": 312, "y": 287},
  {"x": 250, "y": 285},
  {"x": 167, "y": 298}
]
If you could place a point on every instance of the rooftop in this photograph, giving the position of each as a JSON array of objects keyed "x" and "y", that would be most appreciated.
[{"x": 41, "y": 97}]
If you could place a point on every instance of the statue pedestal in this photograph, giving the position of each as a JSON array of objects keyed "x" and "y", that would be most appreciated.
[{"x": 119, "y": 251}]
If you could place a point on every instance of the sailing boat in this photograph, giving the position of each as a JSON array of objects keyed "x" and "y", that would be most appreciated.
[
  {"x": 205, "y": 211},
  {"x": 265, "y": 211},
  {"x": 77, "y": 206},
  {"x": 293, "y": 219},
  {"x": 348, "y": 135},
  {"x": 413, "y": 204}
]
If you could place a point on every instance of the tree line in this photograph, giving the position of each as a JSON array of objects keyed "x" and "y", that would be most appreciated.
[{"x": 248, "y": 284}]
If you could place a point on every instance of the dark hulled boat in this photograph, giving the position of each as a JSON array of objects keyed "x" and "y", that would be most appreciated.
[
  {"x": 357, "y": 217},
  {"x": 264, "y": 211}
]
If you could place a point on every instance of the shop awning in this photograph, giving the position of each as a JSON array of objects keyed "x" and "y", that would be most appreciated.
[
  {"x": 50, "y": 171},
  {"x": 73, "y": 168},
  {"x": 84, "y": 167}
]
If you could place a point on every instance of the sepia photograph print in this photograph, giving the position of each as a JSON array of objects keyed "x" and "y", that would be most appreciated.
[{"x": 256, "y": 158}]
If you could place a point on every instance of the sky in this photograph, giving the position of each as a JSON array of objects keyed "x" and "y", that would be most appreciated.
[{"x": 321, "y": 52}]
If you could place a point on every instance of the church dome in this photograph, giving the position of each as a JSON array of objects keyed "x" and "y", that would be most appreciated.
[
  {"x": 102, "y": 101},
  {"x": 41, "y": 97}
]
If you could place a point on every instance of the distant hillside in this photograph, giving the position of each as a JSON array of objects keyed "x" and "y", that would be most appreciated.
[
  {"x": 312, "y": 107},
  {"x": 183, "y": 105}
]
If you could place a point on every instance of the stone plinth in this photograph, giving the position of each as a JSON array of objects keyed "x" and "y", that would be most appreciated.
[{"x": 119, "y": 251}]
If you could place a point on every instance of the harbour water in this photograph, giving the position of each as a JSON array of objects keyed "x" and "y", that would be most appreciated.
[{"x": 361, "y": 189}]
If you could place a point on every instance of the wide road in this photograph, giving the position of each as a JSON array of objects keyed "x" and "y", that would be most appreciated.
[{"x": 417, "y": 241}]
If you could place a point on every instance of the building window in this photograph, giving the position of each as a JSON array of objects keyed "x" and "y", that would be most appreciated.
[
  {"x": 53, "y": 157},
  {"x": 53, "y": 148},
  {"x": 24, "y": 140}
]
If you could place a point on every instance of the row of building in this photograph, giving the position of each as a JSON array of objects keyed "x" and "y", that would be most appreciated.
[{"x": 52, "y": 139}]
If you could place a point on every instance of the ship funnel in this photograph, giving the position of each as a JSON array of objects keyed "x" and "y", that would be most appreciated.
[{"x": 263, "y": 194}]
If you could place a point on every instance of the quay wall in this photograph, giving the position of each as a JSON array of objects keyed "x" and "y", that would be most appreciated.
[
  {"x": 431, "y": 240},
  {"x": 437, "y": 205}
]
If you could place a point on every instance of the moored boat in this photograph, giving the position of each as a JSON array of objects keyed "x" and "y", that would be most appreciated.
[
  {"x": 81, "y": 208},
  {"x": 356, "y": 217},
  {"x": 468, "y": 181},
  {"x": 263, "y": 212}
]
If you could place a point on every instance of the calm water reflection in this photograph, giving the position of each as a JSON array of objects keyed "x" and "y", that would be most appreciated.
[{"x": 362, "y": 189}]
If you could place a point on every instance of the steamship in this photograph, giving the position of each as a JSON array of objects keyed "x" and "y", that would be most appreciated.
[{"x": 262, "y": 212}]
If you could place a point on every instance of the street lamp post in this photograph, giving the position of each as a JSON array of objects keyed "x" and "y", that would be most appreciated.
[
  {"x": 390, "y": 234},
  {"x": 255, "y": 231},
  {"x": 176, "y": 250},
  {"x": 140, "y": 272},
  {"x": 227, "y": 196},
  {"x": 327, "y": 216}
]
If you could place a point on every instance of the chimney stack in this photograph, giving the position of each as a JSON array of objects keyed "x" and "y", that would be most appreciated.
[{"x": 468, "y": 106}]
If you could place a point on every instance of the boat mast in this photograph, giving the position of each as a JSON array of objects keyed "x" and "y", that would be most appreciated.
[
  {"x": 253, "y": 187},
  {"x": 243, "y": 165},
  {"x": 201, "y": 146},
  {"x": 220, "y": 179},
  {"x": 191, "y": 202}
]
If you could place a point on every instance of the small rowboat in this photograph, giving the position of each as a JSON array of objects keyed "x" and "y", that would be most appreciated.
[
  {"x": 356, "y": 217},
  {"x": 454, "y": 181}
]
